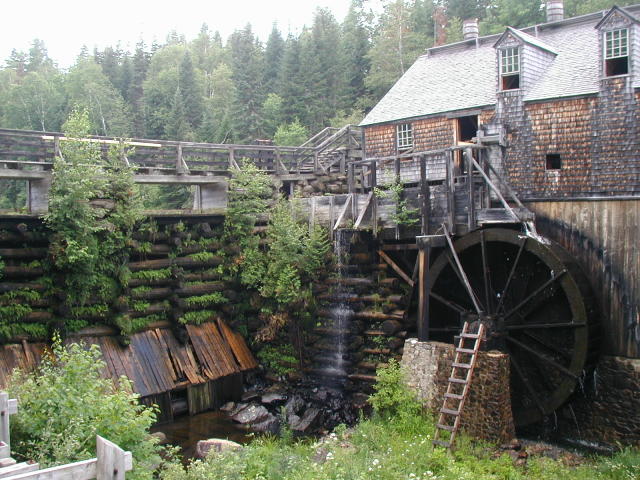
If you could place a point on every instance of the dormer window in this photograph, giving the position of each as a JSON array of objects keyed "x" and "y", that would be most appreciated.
[
  {"x": 616, "y": 52},
  {"x": 404, "y": 135},
  {"x": 510, "y": 68}
]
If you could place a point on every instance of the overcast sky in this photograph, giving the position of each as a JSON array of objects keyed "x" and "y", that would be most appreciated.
[{"x": 66, "y": 25}]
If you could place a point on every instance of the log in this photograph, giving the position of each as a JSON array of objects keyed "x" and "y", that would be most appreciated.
[
  {"x": 201, "y": 289},
  {"x": 377, "y": 316},
  {"x": 153, "y": 294},
  {"x": 37, "y": 316},
  {"x": 10, "y": 287},
  {"x": 11, "y": 271},
  {"x": 23, "y": 252},
  {"x": 201, "y": 277},
  {"x": 153, "y": 309},
  {"x": 185, "y": 262},
  {"x": 144, "y": 282},
  {"x": 390, "y": 327},
  {"x": 396, "y": 343}
]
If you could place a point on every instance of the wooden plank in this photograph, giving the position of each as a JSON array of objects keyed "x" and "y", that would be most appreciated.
[
  {"x": 17, "y": 469},
  {"x": 424, "y": 292},
  {"x": 4, "y": 418},
  {"x": 343, "y": 212},
  {"x": 112, "y": 462},
  {"x": 364, "y": 210},
  {"x": 471, "y": 213},
  {"x": 395, "y": 267},
  {"x": 84, "y": 470}
]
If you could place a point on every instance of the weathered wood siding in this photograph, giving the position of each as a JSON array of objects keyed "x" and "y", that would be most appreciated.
[{"x": 603, "y": 237}]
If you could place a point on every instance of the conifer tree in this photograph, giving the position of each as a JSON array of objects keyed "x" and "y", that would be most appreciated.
[
  {"x": 273, "y": 60},
  {"x": 191, "y": 94}
]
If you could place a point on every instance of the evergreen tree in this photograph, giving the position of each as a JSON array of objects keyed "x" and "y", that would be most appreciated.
[
  {"x": 38, "y": 57},
  {"x": 396, "y": 45},
  {"x": 291, "y": 81},
  {"x": 17, "y": 61},
  {"x": 178, "y": 126},
  {"x": 355, "y": 44},
  {"x": 247, "y": 66},
  {"x": 273, "y": 60},
  {"x": 216, "y": 126},
  {"x": 191, "y": 93},
  {"x": 136, "y": 89}
]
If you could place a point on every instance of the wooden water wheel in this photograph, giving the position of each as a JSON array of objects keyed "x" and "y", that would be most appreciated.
[{"x": 536, "y": 304}]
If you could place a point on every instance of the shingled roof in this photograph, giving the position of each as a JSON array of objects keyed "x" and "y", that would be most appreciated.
[{"x": 462, "y": 75}]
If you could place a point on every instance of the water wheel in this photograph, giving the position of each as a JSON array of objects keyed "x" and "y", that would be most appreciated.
[{"x": 536, "y": 304}]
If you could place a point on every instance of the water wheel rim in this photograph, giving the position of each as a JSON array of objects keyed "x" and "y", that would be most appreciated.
[{"x": 569, "y": 282}]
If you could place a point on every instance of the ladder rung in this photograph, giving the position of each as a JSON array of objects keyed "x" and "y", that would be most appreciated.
[
  {"x": 465, "y": 350},
  {"x": 453, "y": 395},
  {"x": 448, "y": 411},
  {"x": 458, "y": 380},
  {"x": 461, "y": 365},
  {"x": 441, "y": 443},
  {"x": 448, "y": 428},
  {"x": 469, "y": 335}
]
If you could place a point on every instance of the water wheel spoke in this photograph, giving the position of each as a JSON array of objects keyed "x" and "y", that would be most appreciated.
[
  {"x": 550, "y": 345},
  {"x": 511, "y": 273},
  {"x": 535, "y": 293},
  {"x": 485, "y": 270},
  {"x": 544, "y": 326},
  {"x": 527, "y": 385},
  {"x": 543, "y": 357},
  {"x": 451, "y": 304}
]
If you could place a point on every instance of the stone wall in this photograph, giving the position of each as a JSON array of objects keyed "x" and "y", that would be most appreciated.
[
  {"x": 487, "y": 411},
  {"x": 607, "y": 409}
]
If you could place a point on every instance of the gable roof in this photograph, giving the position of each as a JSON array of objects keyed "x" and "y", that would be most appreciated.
[
  {"x": 616, "y": 10},
  {"x": 462, "y": 75},
  {"x": 525, "y": 38}
]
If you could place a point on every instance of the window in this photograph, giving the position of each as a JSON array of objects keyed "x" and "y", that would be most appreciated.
[
  {"x": 554, "y": 162},
  {"x": 404, "y": 134},
  {"x": 616, "y": 52},
  {"x": 510, "y": 68}
]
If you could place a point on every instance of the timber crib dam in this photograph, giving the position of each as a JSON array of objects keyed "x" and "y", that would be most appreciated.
[{"x": 181, "y": 368}]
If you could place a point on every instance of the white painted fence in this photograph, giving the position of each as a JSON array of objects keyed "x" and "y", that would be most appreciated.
[{"x": 111, "y": 461}]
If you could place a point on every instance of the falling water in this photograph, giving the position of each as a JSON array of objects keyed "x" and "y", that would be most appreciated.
[{"x": 340, "y": 313}]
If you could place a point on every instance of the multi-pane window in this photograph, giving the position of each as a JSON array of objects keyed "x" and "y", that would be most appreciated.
[
  {"x": 616, "y": 52},
  {"x": 510, "y": 68},
  {"x": 404, "y": 135}
]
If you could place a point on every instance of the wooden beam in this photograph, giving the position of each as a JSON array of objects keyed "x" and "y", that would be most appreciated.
[
  {"x": 471, "y": 212},
  {"x": 424, "y": 292},
  {"x": 343, "y": 212},
  {"x": 396, "y": 268},
  {"x": 364, "y": 210}
]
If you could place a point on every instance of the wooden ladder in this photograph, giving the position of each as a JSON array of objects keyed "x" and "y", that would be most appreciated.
[{"x": 458, "y": 387}]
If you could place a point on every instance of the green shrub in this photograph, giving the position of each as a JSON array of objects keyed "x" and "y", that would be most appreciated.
[
  {"x": 66, "y": 403},
  {"x": 392, "y": 397}
]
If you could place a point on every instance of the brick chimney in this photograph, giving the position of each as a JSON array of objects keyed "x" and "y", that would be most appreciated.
[
  {"x": 555, "y": 10},
  {"x": 470, "y": 28}
]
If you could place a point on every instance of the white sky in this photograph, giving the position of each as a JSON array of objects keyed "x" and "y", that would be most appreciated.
[{"x": 66, "y": 25}]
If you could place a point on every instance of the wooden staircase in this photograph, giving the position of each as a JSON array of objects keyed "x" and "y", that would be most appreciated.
[{"x": 458, "y": 387}]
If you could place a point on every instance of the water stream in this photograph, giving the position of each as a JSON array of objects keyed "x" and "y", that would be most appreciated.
[{"x": 340, "y": 312}]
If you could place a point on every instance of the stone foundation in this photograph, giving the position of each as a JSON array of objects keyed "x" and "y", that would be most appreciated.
[
  {"x": 487, "y": 411},
  {"x": 607, "y": 409}
]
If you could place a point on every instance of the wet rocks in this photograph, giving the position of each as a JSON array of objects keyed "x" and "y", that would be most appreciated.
[
  {"x": 218, "y": 445},
  {"x": 308, "y": 420},
  {"x": 251, "y": 414}
]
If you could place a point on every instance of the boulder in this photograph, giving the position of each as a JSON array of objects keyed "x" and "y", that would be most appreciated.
[
  {"x": 307, "y": 421},
  {"x": 294, "y": 405},
  {"x": 228, "y": 407},
  {"x": 273, "y": 398},
  {"x": 218, "y": 445},
  {"x": 269, "y": 425},
  {"x": 162, "y": 438},
  {"x": 250, "y": 395},
  {"x": 253, "y": 414}
]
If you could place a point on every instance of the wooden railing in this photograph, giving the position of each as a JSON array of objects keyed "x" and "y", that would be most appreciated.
[
  {"x": 30, "y": 149},
  {"x": 111, "y": 461}
]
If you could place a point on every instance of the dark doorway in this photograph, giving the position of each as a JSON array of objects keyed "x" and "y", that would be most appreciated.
[{"x": 466, "y": 130}]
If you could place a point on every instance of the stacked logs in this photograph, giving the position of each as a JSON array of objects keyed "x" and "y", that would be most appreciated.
[{"x": 378, "y": 325}]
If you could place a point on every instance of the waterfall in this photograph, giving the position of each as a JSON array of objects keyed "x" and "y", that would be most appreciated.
[{"x": 340, "y": 313}]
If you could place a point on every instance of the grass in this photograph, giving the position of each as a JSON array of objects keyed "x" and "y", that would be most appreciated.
[{"x": 391, "y": 449}]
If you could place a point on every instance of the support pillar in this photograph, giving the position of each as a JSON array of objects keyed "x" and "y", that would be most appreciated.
[
  {"x": 38, "y": 195},
  {"x": 426, "y": 244},
  {"x": 211, "y": 196}
]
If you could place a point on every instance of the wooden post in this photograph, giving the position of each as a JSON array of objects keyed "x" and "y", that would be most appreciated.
[
  {"x": 374, "y": 175},
  {"x": 471, "y": 213},
  {"x": 374, "y": 198},
  {"x": 112, "y": 461},
  {"x": 350, "y": 178},
  {"x": 450, "y": 192},
  {"x": 425, "y": 204},
  {"x": 396, "y": 168},
  {"x": 179, "y": 162},
  {"x": 312, "y": 216},
  {"x": 331, "y": 199},
  {"x": 424, "y": 291},
  {"x": 232, "y": 160},
  {"x": 4, "y": 418},
  {"x": 343, "y": 162},
  {"x": 316, "y": 162}
]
